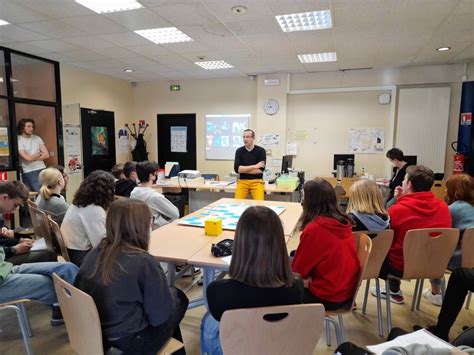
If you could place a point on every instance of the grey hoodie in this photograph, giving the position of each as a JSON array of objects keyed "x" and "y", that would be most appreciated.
[
  {"x": 162, "y": 209},
  {"x": 372, "y": 222}
]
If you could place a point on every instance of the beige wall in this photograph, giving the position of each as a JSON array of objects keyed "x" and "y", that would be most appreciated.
[
  {"x": 206, "y": 96},
  {"x": 327, "y": 118},
  {"x": 97, "y": 91}
]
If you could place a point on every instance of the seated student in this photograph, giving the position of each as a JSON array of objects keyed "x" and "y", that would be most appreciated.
[
  {"x": 460, "y": 194},
  {"x": 49, "y": 198},
  {"x": 139, "y": 312},
  {"x": 65, "y": 177},
  {"x": 162, "y": 209},
  {"x": 31, "y": 281},
  {"x": 416, "y": 208},
  {"x": 16, "y": 248},
  {"x": 326, "y": 240},
  {"x": 125, "y": 186},
  {"x": 460, "y": 282},
  {"x": 260, "y": 274},
  {"x": 396, "y": 157},
  {"x": 83, "y": 226},
  {"x": 366, "y": 207},
  {"x": 117, "y": 172}
]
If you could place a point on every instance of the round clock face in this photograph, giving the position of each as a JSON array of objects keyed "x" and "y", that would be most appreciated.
[{"x": 271, "y": 107}]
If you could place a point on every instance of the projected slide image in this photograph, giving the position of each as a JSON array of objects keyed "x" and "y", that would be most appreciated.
[{"x": 224, "y": 135}]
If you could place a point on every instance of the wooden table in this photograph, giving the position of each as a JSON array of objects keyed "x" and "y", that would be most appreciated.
[
  {"x": 202, "y": 195},
  {"x": 174, "y": 243}
]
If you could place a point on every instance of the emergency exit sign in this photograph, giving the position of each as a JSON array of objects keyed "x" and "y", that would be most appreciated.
[{"x": 175, "y": 87}]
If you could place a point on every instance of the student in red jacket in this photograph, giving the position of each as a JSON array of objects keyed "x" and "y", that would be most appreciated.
[
  {"x": 416, "y": 208},
  {"x": 326, "y": 256}
]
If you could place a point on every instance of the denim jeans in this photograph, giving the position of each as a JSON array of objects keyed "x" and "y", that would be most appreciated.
[
  {"x": 210, "y": 342},
  {"x": 34, "y": 281},
  {"x": 31, "y": 180}
]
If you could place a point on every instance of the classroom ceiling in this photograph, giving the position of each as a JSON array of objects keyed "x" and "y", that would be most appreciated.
[{"x": 365, "y": 34}]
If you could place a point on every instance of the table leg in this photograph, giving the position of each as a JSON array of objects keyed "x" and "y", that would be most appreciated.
[{"x": 171, "y": 273}]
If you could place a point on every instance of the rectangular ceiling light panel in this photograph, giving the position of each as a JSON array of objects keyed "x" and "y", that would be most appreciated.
[
  {"x": 164, "y": 35},
  {"x": 3, "y": 23},
  {"x": 306, "y": 21},
  {"x": 318, "y": 57},
  {"x": 108, "y": 6},
  {"x": 214, "y": 65}
]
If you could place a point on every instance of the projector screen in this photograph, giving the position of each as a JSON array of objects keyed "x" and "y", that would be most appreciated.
[{"x": 224, "y": 135}]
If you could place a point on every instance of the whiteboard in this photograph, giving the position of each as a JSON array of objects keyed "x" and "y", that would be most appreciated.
[{"x": 422, "y": 125}]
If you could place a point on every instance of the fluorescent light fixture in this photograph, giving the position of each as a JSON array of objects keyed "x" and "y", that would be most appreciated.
[
  {"x": 164, "y": 35},
  {"x": 214, "y": 65},
  {"x": 305, "y": 21},
  {"x": 3, "y": 23},
  {"x": 107, "y": 6},
  {"x": 318, "y": 57},
  {"x": 128, "y": 70},
  {"x": 443, "y": 49}
]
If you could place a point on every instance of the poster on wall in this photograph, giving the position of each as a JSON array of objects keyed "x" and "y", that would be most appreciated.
[
  {"x": 366, "y": 140},
  {"x": 267, "y": 140},
  {"x": 72, "y": 148},
  {"x": 100, "y": 140},
  {"x": 179, "y": 137},
  {"x": 123, "y": 140},
  {"x": 4, "y": 146}
]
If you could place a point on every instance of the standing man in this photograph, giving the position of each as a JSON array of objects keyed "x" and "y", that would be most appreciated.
[
  {"x": 249, "y": 163},
  {"x": 32, "y": 151}
]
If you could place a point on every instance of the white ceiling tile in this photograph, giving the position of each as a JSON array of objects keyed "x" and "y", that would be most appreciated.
[
  {"x": 15, "y": 13},
  {"x": 431, "y": 55},
  {"x": 175, "y": 61},
  {"x": 53, "y": 29},
  {"x": 58, "y": 57},
  {"x": 83, "y": 54},
  {"x": 282, "y": 7},
  {"x": 316, "y": 67},
  {"x": 138, "y": 61},
  {"x": 107, "y": 63},
  {"x": 125, "y": 39},
  {"x": 222, "y": 9},
  {"x": 182, "y": 13},
  {"x": 194, "y": 57},
  {"x": 115, "y": 52},
  {"x": 27, "y": 47},
  {"x": 90, "y": 42},
  {"x": 94, "y": 24},
  {"x": 186, "y": 47},
  {"x": 54, "y": 45},
  {"x": 255, "y": 26},
  {"x": 206, "y": 32},
  {"x": 467, "y": 53},
  {"x": 268, "y": 44},
  {"x": 5, "y": 39},
  {"x": 139, "y": 19},
  {"x": 149, "y": 50},
  {"x": 20, "y": 34},
  {"x": 56, "y": 8},
  {"x": 313, "y": 41}
]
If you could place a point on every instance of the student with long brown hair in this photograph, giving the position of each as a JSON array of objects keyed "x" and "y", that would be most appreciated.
[
  {"x": 460, "y": 196},
  {"x": 326, "y": 257},
  {"x": 366, "y": 207},
  {"x": 260, "y": 274},
  {"x": 139, "y": 312}
]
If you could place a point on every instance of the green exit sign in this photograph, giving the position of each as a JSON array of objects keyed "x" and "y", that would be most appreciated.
[{"x": 175, "y": 87}]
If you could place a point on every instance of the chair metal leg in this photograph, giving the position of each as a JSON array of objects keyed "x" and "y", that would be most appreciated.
[
  {"x": 341, "y": 330},
  {"x": 387, "y": 304},
  {"x": 336, "y": 328},
  {"x": 420, "y": 294},
  {"x": 379, "y": 307},
  {"x": 443, "y": 288},
  {"x": 27, "y": 321},
  {"x": 415, "y": 295},
  {"x": 468, "y": 301},
  {"x": 23, "y": 327},
  {"x": 366, "y": 294},
  {"x": 328, "y": 332}
]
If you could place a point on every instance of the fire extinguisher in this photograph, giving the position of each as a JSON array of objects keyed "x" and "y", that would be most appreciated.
[{"x": 459, "y": 159}]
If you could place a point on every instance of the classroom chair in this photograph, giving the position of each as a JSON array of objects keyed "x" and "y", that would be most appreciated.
[
  {"x": 439, "y": 189},
  {"x": 25, "y": 328},
  {"x": 381, "y": 243},
  {"x": 40, "y": 223},
  {"x": 426, "y": 253},
  {"x": 58, "y": 236},
  {"x": 467, "y": 254},
  {"x": 278, "y": 330},
  {"x": 364, "y": 247},
  {"x": 83, "y": 323}
]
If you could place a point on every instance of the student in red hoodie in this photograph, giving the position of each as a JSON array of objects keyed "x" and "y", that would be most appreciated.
[
  {"x": 416, "y": 208},
  {"x": 326, "y": 257}
]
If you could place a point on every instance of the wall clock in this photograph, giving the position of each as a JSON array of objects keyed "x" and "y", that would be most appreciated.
[{"x": 271, "y": 106}]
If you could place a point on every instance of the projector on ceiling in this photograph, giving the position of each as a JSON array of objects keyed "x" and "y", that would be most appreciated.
[{"x": 189, "y": 174}]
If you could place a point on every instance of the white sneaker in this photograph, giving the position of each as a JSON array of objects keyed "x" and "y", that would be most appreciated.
[
  {"x": 437, "y": 300},
  {"x": 396, "y": 298}
]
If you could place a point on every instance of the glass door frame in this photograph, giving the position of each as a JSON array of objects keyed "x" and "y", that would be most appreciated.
[{"x": 12, "y": 100}]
